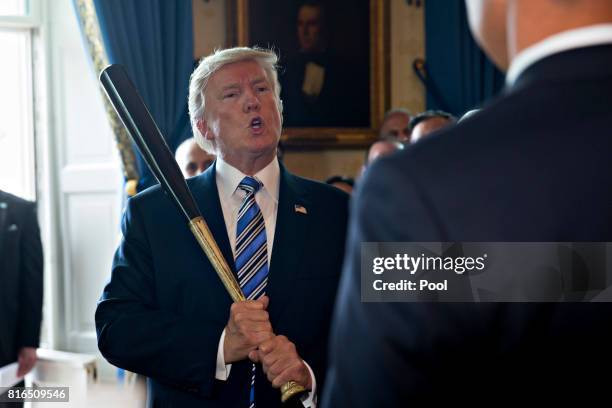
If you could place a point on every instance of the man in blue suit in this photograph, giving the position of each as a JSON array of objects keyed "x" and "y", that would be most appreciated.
[
  {"x": 165, "y": 313},
  {"x": 534, "y": 165}
]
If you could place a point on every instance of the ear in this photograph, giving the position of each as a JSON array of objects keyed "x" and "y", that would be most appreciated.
[{"x": 204, "y": 129}]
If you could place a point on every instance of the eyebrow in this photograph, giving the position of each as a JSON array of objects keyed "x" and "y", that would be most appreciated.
[
  {"x": 237, "y": 85},
  {"x": 258, "y": 80},
  {"x": 230, "y": 86}
]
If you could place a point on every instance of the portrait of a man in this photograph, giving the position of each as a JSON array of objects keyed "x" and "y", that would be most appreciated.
[{"x": 324, "y": 59}]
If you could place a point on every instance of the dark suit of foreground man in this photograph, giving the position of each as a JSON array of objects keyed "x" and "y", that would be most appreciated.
[
  {"x": 532, "y": 166},
  {"x": 165, "y": 313},
  {"x": 21, "y": 283}
]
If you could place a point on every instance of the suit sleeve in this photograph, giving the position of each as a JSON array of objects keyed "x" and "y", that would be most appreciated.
[
  {"x": 137, "y": 335},
  {"x": 31, "y": 281},
  {"x": 332, "y": 235},
  {"x": 381, "y": 348}
]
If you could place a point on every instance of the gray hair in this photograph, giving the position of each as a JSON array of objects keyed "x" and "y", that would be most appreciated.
[
  {"x": 396, "y": 111},
  {"x": 207, "y": 66}
]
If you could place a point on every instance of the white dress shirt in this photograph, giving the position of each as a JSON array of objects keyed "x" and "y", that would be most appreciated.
[
  {"x": 588, "y": 36},
  {"x": 228, "y": 178}
]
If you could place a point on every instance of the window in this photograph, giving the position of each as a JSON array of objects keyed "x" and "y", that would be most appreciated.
[
  {"x": 13, "y": 8},
  {"x": 17, "y": 165},
  {"x": 16, "y": 124}
]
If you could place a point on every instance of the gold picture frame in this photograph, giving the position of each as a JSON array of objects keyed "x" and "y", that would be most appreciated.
[{"x": 327, "y": 137}]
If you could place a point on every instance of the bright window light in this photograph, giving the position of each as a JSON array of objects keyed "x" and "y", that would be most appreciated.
[
  {"x": 17, "y": 171},
  {"x": 13, "y": 7}
]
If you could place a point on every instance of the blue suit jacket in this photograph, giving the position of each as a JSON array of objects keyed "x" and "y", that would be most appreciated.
[
  {"x": 532, "y": 166},
  {"x": 163, "y": 311}
]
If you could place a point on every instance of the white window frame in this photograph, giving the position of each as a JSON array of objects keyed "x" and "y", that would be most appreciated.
[
  {"x": 29, "y": 23},
  {"x": 30, "y": 20}
]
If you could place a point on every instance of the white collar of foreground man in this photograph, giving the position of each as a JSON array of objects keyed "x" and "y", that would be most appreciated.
[
  {"x": 564, "y": 41},
  {"x": 228, "y": 177}
]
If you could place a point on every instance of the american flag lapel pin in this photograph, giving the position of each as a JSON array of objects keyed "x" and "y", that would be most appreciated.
[{"x": 300, "y": 209}]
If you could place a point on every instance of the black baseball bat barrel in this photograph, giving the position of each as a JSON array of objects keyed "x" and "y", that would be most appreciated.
[{"x": 140, "y": 125}]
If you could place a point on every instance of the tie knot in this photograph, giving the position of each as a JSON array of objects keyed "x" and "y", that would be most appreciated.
[{"x": 250, "y": 185}]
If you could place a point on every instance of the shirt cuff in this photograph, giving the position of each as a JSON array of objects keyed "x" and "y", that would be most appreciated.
[
  {"x": 223, "y": 370},
  {"x": 309, "y": 400}
]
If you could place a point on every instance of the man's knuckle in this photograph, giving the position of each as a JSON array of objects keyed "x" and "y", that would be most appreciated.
[
  {"x": 244, "y": 329},
  {"x": 235, "y": 307}
]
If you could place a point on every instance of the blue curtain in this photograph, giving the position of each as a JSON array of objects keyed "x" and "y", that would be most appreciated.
[
  {"x": 153, "y": 39},
  {"x": 460, "y": 75}
]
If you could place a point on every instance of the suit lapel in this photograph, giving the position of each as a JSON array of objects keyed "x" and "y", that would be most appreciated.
[
  {"x": 206, "y": 195},
  {"x": 290, "y": 237}
]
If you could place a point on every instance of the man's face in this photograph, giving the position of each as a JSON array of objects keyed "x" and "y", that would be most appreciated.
[
  {"x": 309, "y": 28},
  {"x": 488, "y": 21},
  {"x": 241, "y": 115},
  {"x": 197, "y": 161},
  {"x": 396, "y": 127},
  {"x": 428, "y": 126}
]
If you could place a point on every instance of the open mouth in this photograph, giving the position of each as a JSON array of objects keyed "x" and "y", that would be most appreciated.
[{"x": 256, "y": 123}]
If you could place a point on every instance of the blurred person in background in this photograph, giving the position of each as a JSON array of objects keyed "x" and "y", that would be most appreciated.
[
  {"x": 428, "y": 122},
  {"x": 396, "y": 126},
  {"x": 21, "y": 284},
  {"x": 345, "y": 184},
  {"x": 380, "y": 149},
  {"x": 192, "y": 159}
]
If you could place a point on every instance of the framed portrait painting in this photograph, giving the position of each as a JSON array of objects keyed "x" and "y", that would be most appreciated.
[{"x": 333, "y": 65}]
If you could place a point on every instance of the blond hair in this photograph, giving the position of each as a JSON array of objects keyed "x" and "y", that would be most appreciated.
[{"x": 207, "y": 66}]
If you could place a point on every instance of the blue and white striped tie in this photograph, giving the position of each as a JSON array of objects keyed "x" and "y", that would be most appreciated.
[{"x": 251, "y": 252}]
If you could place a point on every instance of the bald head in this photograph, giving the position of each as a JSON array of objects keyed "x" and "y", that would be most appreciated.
[
  {"x": 429, "y": 126},
  {"x": 428, "y": 122},
  {"x": 382, "y": 148},
  {"x": 396, "y": 126},
  {"x": 504, "y": 28},
  {"x": 192, "y": 159}
]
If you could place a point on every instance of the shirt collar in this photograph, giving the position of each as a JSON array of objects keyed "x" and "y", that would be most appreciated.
[
  {"x": 230, "y": 177},
  {"x": 567, "y": 40}
]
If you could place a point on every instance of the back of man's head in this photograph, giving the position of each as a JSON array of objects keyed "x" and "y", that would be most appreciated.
[
  {"x": 381, "y": 148},
  {"x": 343, "y": 183},
  {"x": 504, "y": 28},
  {"x": 428, "y": 122}
]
